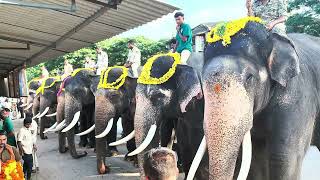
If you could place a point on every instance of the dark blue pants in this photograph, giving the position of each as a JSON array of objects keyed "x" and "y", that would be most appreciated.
[{"x": 27, "y": 165}]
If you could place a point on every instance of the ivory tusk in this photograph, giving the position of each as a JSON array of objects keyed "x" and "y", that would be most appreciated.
[
  {"x": 246, "y": 157},
  {"x": 50, "y": 128},
  {"x": 28, "y": 107},
  {"x": 107, "y": 130},
  {"x": 123, "y": 140},
  {"x": 53, "y": 114},
  {"x": 197, "y": 159},
  {"x": 87, "y": 131},
  {"x": 36, "y": 116},
  {"x": 146, "y": 142},
  {"x": 58, "y": 127},
  {"x": 44, "y": 112},
  {"x": 73, "y": 122}
]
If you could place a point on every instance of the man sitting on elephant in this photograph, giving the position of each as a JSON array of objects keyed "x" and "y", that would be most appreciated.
[
  {"x": 183, "y": 37},
  {"x": 134, "y": 59},
  {"x": 273, "y": 12}
]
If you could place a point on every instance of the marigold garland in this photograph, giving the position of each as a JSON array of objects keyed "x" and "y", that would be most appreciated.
[
  {"x": 75, "y": 72},
  {"x": 103, "y": 83},
  {"x": 43, "y": 84},
  {"x": 145, "y": 76},
  {"x": 11, "y": 170},
  {"x": 224, "y": 31}
]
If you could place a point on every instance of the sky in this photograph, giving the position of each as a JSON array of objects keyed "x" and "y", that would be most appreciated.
[{"x": 196, "y": 12}]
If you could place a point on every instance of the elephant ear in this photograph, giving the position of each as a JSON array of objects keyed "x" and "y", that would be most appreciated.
[
  {"x": 283, "y": 61},
  {"x": 188, "y": 85}
]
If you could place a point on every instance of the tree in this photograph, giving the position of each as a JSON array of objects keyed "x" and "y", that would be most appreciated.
[
  {"x": 115, "y": 47},
  {"x": 305, "y": 17}
]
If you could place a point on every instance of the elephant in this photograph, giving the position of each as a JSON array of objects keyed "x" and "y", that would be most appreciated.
[
  {"x": 110, "y": 105},
  {"x": 262, "y": 90},
  {"x": 79, "y": 103},
  {"x": 33, "y": 101},
  {"x": 48, "y": 104},
  {"x": 174, "y": 104}
]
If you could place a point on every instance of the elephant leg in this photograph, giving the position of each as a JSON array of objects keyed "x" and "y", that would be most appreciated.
[
  {"x": 128, "y": 127},
  {"x": 90, "y": 121},
  {"x": 290, "y": 138},
  {"x": 83, "y": 126},
  {"x": 112, "y": 137},
  {"x": 166, "y": 131},
  {"x": 62, "y": 142}
]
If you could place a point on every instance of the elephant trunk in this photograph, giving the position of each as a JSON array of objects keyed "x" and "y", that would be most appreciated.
[
  {"x": 228, "y": 118},
  {"x": 44, "y": 108},
  {"x": 60, "y": 118},
  {"x": 73, "y": 108},
  {"x": 145, "y": 127},
  {"x": 104, "y": 112}
]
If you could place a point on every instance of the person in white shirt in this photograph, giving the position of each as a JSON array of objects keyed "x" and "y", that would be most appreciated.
[
  {"x": 89, "y": 63},
  {"x": 68, "y": 69},
  {"x": 134, "y": 59},
  {"x": 102, "y": 60},
  {"x": 34, "y": 130},
  {"x": 26, "y": 146},
  {"x": 45, "y": 73}
]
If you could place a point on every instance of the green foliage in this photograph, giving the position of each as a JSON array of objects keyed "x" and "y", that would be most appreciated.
[
  {"x": 305, "y": 18},
  {"x": 115, "y": 47}
]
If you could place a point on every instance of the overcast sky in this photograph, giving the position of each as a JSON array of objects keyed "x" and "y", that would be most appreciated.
[{"x": 196, "y": 12}]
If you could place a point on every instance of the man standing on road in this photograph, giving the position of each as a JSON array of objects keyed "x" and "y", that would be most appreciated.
[
  {"x": 134, "y": 59},
  {"x": 7, "y": 152},
  {"x": 102, "y": 60},
  {"x": 183, "y": 37},
  {"x": 26, "y": 146}
]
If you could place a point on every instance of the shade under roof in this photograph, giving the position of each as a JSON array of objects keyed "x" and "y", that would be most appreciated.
[{"x": 45, "y": 34}]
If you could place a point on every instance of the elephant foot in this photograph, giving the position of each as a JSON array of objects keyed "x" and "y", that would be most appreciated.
[
  {"x": 63, "y": 150},
  {"x": 130, "y": 158},
  {"x": 43, "y": 137},
  {"x": 79, "y": 155},
  {"x": 103, "y": 169}
]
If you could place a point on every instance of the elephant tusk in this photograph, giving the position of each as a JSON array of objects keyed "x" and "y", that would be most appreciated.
[
  {"x": 58, "y": 127},
  {"x": 36, "y": 116},
  {"x": 146, "y": 142},
  {"x": 29, "y": 106},
  {"x": 87, "y": 131},
  {"x": 246, "y": 157},
  {"x": 44, "y": 112},
  {"x": 50, "y": 115},
  {"x": 50, "y": 128},
  {"x": 123, "y": 140},
  {"x": 24, "y": 105},
  {"x": 197, "y": 159},
  {"x": 73, "y": 122},
  {"x": 107, "y": 130}
]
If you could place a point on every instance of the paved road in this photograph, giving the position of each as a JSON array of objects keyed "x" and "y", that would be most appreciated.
[{"x": 56, "y": 166}]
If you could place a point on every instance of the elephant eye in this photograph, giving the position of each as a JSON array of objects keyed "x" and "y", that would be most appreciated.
[{"x": 249, "y": 77}]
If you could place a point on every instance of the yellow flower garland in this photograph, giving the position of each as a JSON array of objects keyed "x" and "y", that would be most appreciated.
[
  {"x": 224, "y": 31},
  {"x": 145, "y": 76},
  {"x": 75, "y": 72},
  {"x": 103, "y": 83},
  {"x": 43, "y": 84},
  {"x": 11, "y": 170}
]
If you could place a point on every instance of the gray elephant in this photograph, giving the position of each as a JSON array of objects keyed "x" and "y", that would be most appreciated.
[
  {"x": 79, "y": 104},
  {"x": 48, "y": 103},
  {"x": 266, "y": 87},
  {"x": 112, "y": 103},
  {"x": 168, "y": 105},
  {"x": 33, "y": 100}
]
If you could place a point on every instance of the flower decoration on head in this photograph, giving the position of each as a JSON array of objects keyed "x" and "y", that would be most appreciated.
[
  {"x": 75, "y": 72},
  {"x": 145, "y": 76},
  {"x": 43, "y": 84},
  {"x": 11, "y": 170},
  {"x": 224, "y": 31},
  {"x": 103, "y": 83}
]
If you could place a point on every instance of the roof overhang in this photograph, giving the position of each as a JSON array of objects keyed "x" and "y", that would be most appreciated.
[{"x": 34, "y": 35}]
